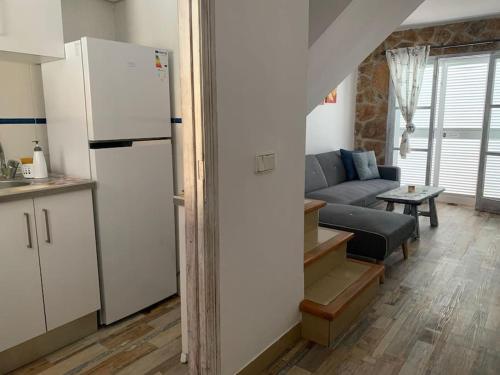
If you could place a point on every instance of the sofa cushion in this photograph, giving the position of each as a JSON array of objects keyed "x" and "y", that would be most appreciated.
[
  {"x": 315, "y": 179},
  {"x": 366, "y": 165},
  {"x": 358, "y": 193},
  {"x": 376, "y": 233},
  {"x": 348, "y": 162},
  {"x": 332, "y": 166}
]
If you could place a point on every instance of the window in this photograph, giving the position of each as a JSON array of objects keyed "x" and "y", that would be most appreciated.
[
  {"x": 413, "y": 168},
  {"x": 449, "y": 119}
]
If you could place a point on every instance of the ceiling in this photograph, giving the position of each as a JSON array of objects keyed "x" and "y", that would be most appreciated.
[{"x": 434, "y": 12}]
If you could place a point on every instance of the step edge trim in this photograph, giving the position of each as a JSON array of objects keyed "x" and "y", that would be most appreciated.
[
  {"x": 323, "y": 311},
  {"x": 326, "y": 247}
]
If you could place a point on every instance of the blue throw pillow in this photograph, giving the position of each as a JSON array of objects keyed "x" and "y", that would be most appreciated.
[
  {"x": 366, "y": 165},
  {"x": 350, "y": 169}
]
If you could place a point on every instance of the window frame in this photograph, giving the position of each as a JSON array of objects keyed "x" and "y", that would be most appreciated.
[
  {"x": 487, "y": 203},
  {"x": 390, "y": 147}
]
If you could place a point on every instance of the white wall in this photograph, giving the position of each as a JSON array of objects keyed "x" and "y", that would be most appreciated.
[
  {"x": 261, "y": 61},
  {"x": 331, "y": 126},
  {"x": 321, "y": 15},
  {"x": 22, "y": 98},
  {"x": 154, "y": 23},
  {"x": 93, "y": 18}
]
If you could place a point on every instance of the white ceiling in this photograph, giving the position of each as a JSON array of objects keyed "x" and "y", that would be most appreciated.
[{"x": 434, "y": 12}]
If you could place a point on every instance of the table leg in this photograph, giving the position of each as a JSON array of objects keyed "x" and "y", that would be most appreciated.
[
  {"x": 390, "y": 206},
  {"x": 433, "y": 213},
  {"x": 414, "y": 213},
  {"x": 407, "y": 210},
  {"x": 404, "y": 245}
]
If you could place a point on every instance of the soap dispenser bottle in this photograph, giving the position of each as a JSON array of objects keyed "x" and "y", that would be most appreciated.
[{"x": 39, "y": 164}]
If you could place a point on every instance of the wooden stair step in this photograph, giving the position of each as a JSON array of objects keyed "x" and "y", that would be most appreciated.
[
  {"x": 334, "y": 301},
  {"x": 366, "y": 274},
  {"x": 312, "y": 205},
  {"x": 326, "y": 240},
  {"x": 330, "y": 286},
  {"x": 311, "y": 217}
]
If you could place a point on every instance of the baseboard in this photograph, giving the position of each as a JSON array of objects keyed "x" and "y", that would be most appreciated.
[
  {"x": 49, "y": 342},
  {"x": 462, "y": 200},
  {"x": 273, "y": 352}
]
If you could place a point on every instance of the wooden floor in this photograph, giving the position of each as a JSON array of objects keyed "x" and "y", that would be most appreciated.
[
  {"x": 146, "y": 343},
  {"x": 437, "y": 313}
]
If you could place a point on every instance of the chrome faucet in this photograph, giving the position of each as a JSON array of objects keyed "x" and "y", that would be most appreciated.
[{"x": 8, "y": 170}]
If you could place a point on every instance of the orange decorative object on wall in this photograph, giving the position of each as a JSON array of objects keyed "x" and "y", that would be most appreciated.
[{"x": 331, "y": 98}]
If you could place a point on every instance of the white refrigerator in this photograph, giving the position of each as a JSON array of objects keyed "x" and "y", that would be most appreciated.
[{"x": 108, "y": 118}]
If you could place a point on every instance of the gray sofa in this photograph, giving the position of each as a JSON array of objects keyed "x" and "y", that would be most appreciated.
[
  {"x": 326, "y": 181},
  {"x": 377, "y": 233}
]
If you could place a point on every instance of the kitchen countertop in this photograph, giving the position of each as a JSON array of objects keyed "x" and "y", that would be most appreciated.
[{"x": 45, "y": 186}]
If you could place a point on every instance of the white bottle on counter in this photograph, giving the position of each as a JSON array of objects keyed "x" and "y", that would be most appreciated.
[{"x": 39, "y": 163}]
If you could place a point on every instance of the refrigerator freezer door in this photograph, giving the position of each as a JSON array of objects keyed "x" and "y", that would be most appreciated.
[
  {"x": 136, "y": 230},
  {"x": 127, "y": 90}
]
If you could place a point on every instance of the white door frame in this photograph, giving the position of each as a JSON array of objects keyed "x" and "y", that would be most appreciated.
[
  {"x": 199, "y": 118},
  {"x": 483, "y": 203}
]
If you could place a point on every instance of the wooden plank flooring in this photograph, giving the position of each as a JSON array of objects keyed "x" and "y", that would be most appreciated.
[
  {"x": 437, "y": 313},
  {"x": 147, "y": 343}
]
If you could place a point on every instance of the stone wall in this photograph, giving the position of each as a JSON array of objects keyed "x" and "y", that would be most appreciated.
[{"x": 373, "y": 77}]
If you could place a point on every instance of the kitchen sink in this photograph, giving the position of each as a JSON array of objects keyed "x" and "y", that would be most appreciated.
[{"x": 10, "y": 184}]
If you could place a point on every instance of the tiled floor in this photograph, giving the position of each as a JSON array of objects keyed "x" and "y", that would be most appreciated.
[
  {"x": 147, "y": 343},
  {"x": 437, "y": 313}
]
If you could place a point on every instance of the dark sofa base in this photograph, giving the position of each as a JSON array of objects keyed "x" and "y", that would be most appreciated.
[{"x": 376, "y": 233}]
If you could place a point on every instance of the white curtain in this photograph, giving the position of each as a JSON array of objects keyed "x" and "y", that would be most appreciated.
[{"x": 407, "y": 66}]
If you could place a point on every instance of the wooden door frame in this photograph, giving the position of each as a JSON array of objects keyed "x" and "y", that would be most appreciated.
[{"x": 199, "y": 118}]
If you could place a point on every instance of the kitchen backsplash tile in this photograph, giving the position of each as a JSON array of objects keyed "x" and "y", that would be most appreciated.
[
  {"x": 21, "y": 101},
  {"x": 17, "y": 140}
]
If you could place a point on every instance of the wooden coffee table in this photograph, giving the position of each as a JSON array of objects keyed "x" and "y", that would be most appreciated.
[{"x": 411, "y": 201}]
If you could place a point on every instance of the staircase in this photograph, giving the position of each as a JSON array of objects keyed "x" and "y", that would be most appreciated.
[
  {"x": 342, "y": 34},
  {"x": 337, "y": 289}
]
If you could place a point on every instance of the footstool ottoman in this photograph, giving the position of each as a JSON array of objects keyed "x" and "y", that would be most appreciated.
[{"x": 377, "y": 233}]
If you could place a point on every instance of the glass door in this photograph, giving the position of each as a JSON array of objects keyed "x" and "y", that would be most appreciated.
[
  {"x": 457, "y": 142},
  {"x": 459, "y": 122},
  {"x": 488, "y": 187}
]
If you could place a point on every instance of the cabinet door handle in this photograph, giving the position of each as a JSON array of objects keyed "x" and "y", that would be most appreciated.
[
  {"x": 47, "y": 228},
  {"x": 28, "y": 230}
]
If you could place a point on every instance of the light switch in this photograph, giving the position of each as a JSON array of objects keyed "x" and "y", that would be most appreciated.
[
  {"x": 265, "y": 163},
  {"x": 269, "y": 162}
]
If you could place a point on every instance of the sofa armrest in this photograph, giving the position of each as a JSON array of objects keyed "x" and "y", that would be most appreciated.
[{"x": 389, "y": 172}]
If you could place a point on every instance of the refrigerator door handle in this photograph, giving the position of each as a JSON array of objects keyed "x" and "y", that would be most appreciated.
[{"x": 119, "y": 143}]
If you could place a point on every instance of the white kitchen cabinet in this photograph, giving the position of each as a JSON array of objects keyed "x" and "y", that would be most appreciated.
[
  {"x": 68, "y": 257},
  {"x": 31, "y": 30},
  {"x": 48, "y": 266},
  {"x": 21, "y": 308}
]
